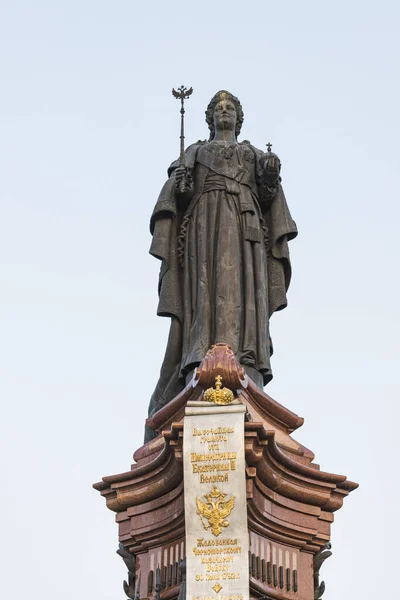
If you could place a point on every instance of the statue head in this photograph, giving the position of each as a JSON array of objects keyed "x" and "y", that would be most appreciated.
[{"x": 224, "y": 96}]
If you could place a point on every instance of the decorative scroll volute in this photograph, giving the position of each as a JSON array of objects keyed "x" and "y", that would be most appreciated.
[{"x": 221, "y": 360}]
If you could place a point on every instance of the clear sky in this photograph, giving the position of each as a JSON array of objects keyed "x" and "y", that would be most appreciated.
[{"x": 88, "y": 127}]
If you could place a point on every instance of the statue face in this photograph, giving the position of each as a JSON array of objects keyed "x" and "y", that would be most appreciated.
[{"x": 225, "y": 116}]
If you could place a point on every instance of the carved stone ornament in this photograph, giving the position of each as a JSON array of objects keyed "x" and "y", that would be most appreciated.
[
  {"x": 319, "y": 558},
  {"x": 220, "y": 357},
  {"x": 130, "y": 562},
  {"x": 218, "y": 395}
]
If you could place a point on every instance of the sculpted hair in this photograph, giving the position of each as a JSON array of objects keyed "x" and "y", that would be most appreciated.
[{"x": 224, "y": 95}]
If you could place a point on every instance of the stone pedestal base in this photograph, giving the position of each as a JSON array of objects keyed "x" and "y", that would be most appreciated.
[{"x": 290, "y": 501}]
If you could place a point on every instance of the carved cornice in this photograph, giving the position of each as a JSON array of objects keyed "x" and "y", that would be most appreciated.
[
  {"x": 304, "y": 497},
  {"x": 271, "y": 408},
  {"x": 290, "y": 478},
  {"x": 144, "y": 482}
]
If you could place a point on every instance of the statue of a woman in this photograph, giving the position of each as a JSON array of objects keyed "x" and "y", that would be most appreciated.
[{"x": 221, "y": 228}]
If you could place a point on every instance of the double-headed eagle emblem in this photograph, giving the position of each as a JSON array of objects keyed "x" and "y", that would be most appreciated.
[{"x": 215, "y": 510}]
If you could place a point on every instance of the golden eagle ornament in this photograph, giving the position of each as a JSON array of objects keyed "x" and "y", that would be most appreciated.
[{"x": 215, "y": 510}]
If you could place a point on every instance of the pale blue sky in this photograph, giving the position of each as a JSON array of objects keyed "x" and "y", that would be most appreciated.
[{"x": 88, "y": 128}]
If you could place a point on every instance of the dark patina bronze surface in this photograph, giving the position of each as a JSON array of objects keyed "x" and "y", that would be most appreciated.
[{"x": 221, "y": 228}]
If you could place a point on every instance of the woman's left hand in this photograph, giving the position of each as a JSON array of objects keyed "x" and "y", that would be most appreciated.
[{"x": 271, "y": 164}]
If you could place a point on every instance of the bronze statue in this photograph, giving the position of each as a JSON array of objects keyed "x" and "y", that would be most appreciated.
[{"x": 221, "y": 228}]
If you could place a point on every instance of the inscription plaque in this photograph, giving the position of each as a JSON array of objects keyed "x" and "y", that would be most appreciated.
[{"x": 217, "y": 540}]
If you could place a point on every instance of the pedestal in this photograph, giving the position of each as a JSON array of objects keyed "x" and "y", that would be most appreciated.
[{"x": 290, "y": 501}]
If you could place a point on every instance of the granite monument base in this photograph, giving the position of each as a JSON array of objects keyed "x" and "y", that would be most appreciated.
[{"x": 275, "y": 548}]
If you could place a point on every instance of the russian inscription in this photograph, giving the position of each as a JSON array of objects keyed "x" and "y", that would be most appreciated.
[{"x": 215, "y": 503}]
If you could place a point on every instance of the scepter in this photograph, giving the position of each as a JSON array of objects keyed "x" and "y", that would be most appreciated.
[{"x": 182, "y": 94}]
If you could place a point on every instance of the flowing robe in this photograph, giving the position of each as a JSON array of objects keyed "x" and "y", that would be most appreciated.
[{"x": 225, "y": 262}]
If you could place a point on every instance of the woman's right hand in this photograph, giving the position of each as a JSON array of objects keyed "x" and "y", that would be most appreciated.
[
  {"x": 183, "y": 181},
  {"x": 180, "y": 178}
]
